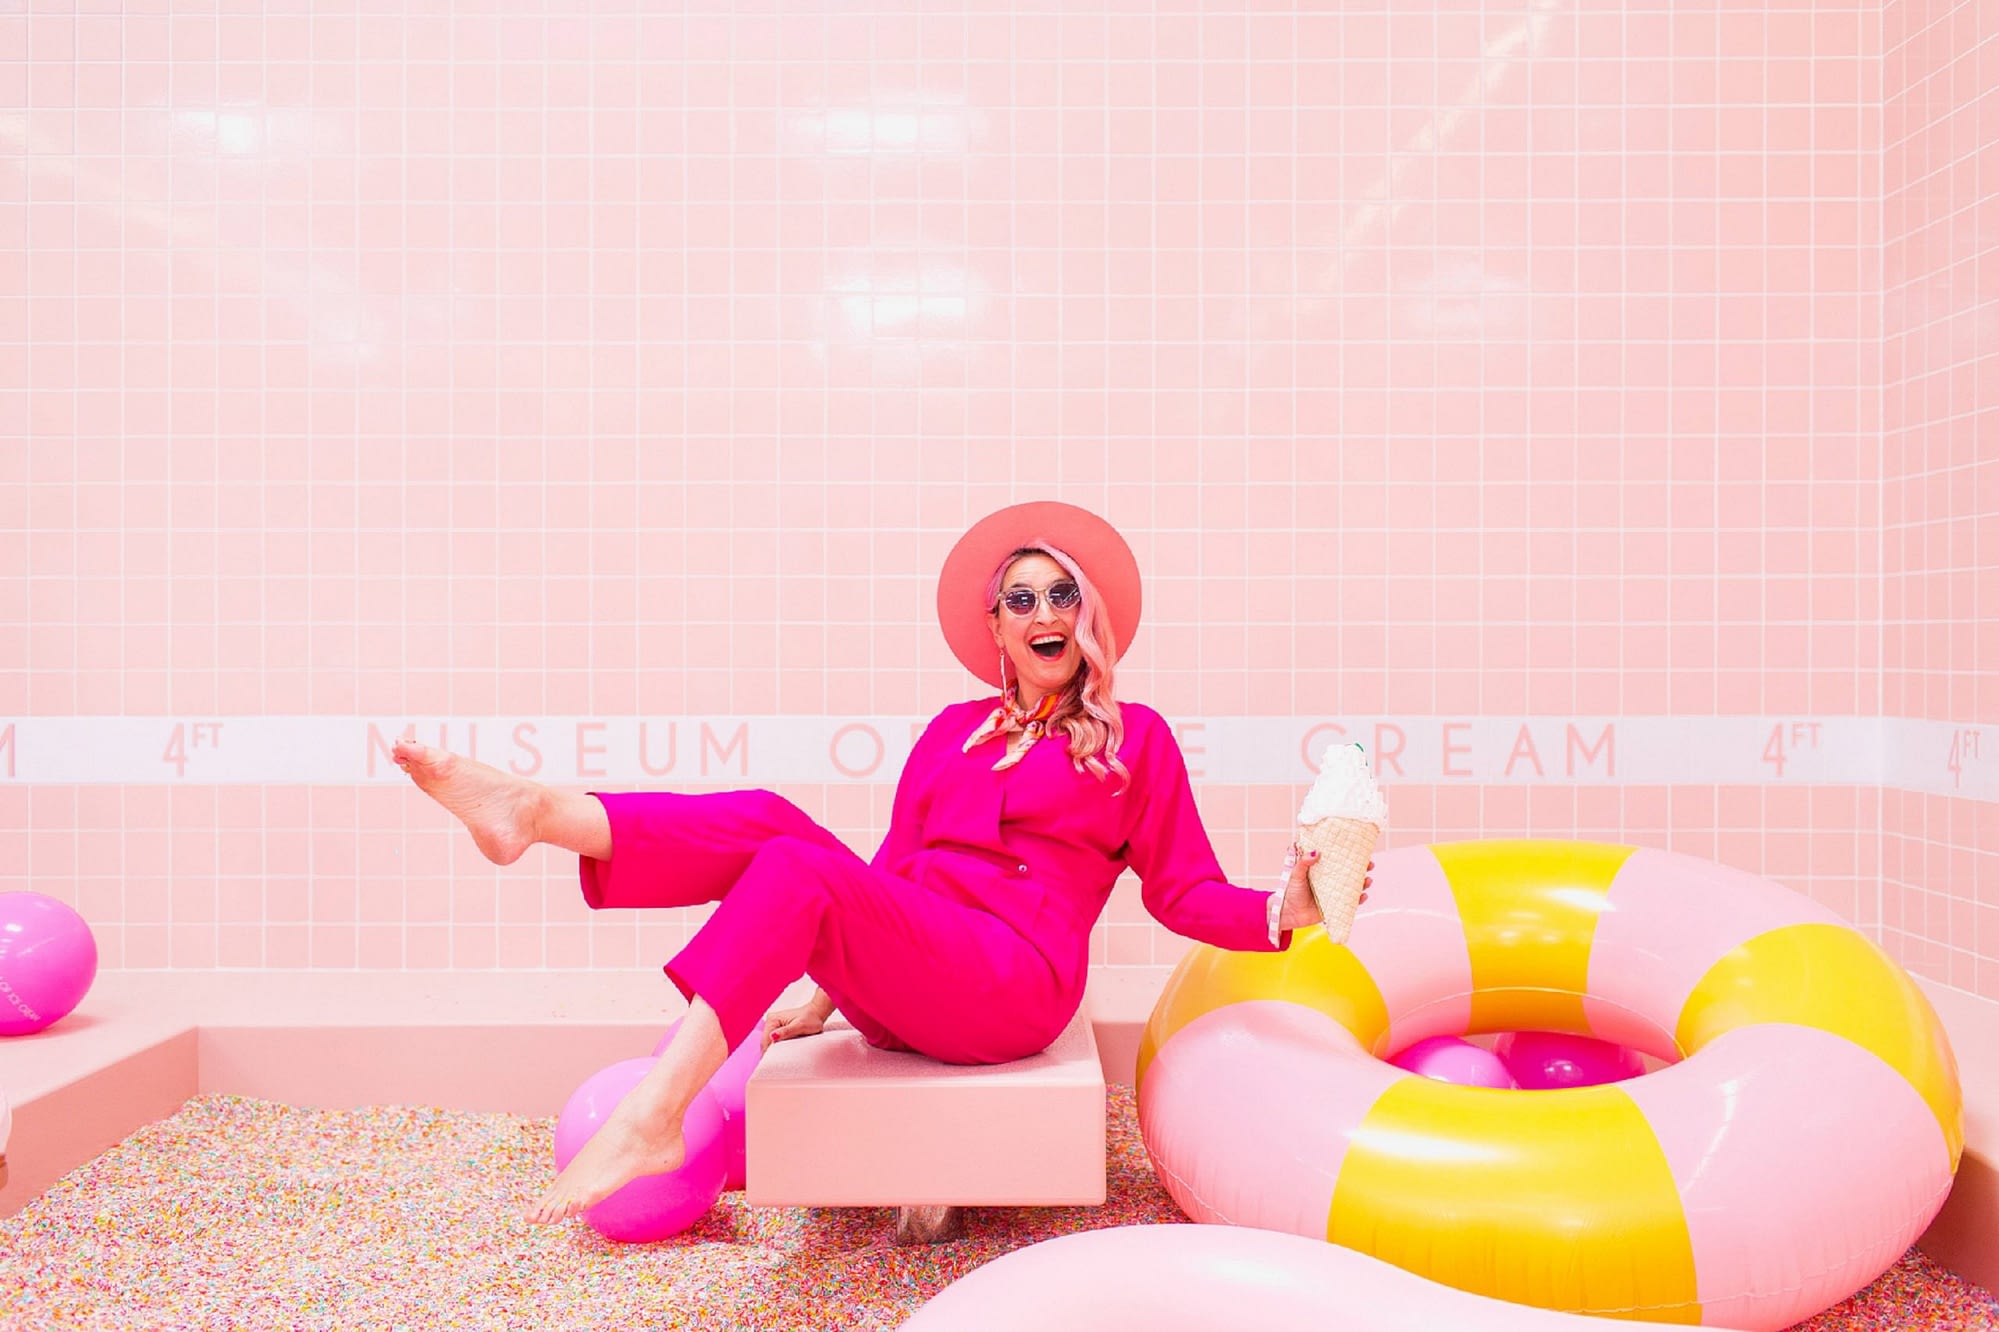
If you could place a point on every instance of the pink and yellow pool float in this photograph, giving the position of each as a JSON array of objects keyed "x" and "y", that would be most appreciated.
[{"x": 1803, "y": 1132}]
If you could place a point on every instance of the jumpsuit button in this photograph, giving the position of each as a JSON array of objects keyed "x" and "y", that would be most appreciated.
[{"x": 1020, "y": 870}]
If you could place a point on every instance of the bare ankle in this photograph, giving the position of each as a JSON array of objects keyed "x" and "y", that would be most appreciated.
[
  {"x": 572, "y": 820},
  {"x": 535, "y": 814}
]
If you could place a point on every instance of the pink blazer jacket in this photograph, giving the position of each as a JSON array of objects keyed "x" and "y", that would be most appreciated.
[{"x": 1040, "y": 845}]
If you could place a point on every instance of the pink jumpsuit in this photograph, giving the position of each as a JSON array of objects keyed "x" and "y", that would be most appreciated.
[{"x": 967, "y": 937}]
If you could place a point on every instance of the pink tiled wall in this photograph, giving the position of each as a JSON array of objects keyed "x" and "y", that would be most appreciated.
[
  {"x": 1940, "y": 511},
  {"x": 1482, "y": 360}
]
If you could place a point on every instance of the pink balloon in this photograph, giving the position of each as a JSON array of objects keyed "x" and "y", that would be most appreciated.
[
  {"x": 650, "y": 1207},
  {"x": 729, "y": 1087},
  {"x": 1452, "y": 1059},
  {"x": 1544, "y": 1060},
  {"x": 48, "y": 958}
]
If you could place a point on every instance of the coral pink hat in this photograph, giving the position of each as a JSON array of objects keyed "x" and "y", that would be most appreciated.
[{"x": 1093, "y": 543}]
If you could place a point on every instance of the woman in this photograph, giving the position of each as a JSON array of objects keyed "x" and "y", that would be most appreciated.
[{"x": 967, "y": 936}]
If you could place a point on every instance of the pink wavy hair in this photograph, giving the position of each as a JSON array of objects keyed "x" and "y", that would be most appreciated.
[{"x": 1087, "y": 711}]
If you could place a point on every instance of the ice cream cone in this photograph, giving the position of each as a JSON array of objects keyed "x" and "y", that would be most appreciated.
[
  {"x": 1341, "y": 819},
  {"x": 1344, "y": 846}
]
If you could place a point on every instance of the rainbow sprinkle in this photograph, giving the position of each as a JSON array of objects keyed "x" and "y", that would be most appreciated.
[{"x": 242, "y": 1214}]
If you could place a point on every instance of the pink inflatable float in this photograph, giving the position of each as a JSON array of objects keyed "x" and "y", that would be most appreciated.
[
  {"x": 1803, "y": 1134},
  {"x": 1200, "y": 1278}
]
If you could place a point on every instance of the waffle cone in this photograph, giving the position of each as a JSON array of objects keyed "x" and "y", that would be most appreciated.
[{"x": 1344, "y": 847}]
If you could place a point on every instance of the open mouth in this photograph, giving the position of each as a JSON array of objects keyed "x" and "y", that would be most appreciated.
[{"x": 1050, "y": 648}]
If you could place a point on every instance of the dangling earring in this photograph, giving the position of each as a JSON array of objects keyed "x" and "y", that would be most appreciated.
[{"x": 1002, "y": 674}]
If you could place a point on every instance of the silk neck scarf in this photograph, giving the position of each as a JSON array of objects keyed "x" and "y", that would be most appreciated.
[{"x": 1010, "y": 718}]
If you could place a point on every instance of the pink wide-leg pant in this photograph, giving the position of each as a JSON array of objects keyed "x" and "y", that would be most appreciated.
[{"x": 912, "y": 964}]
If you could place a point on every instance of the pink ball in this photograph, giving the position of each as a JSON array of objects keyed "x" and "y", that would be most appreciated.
[
  {"x": 729, "y": 1087},
  {"x": 650, "y": 1207},
  {"x": 1454, "y": 1060},
  {"x": 1546, "y": 1060},
  {"x": 48, "y": 958}
]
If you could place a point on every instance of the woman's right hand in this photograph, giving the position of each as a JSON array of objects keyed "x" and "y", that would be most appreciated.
[{"x": 808, "y": 1019}]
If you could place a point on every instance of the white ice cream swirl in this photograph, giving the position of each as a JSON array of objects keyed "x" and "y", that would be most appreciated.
[{"x": 1344, "y": 789}]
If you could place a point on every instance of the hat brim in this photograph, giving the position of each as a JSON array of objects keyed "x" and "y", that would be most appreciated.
[{"x": 1093, "y": 543}]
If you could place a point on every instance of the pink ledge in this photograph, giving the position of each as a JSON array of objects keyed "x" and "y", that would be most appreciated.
[
  {"x": 143, "y": 1042},
  {"x": 494, "y": 1042}
]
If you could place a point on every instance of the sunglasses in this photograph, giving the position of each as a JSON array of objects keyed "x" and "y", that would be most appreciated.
[{"x": 1064, "y": 595}]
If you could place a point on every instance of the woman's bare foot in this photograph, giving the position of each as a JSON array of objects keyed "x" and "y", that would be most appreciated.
[
  {"x": 643, "y": 1134},
  {"x": 500, "y": 810},
  {"x": 638, "y": 1139}
]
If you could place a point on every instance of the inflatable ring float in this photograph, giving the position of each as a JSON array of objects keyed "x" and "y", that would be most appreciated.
[
  {"x": 1804, "y": 1131},
  {"x": 1175, "y": 1278}
]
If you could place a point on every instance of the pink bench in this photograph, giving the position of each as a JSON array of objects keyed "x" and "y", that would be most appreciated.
[{"x": 833, "y": 1122}]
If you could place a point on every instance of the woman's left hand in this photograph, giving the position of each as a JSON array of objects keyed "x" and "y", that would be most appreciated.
[{"x": 1300, "y": 907}]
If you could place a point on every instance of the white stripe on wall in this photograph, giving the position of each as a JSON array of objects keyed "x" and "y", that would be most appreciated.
[{"x": 1913, "y": 755}]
